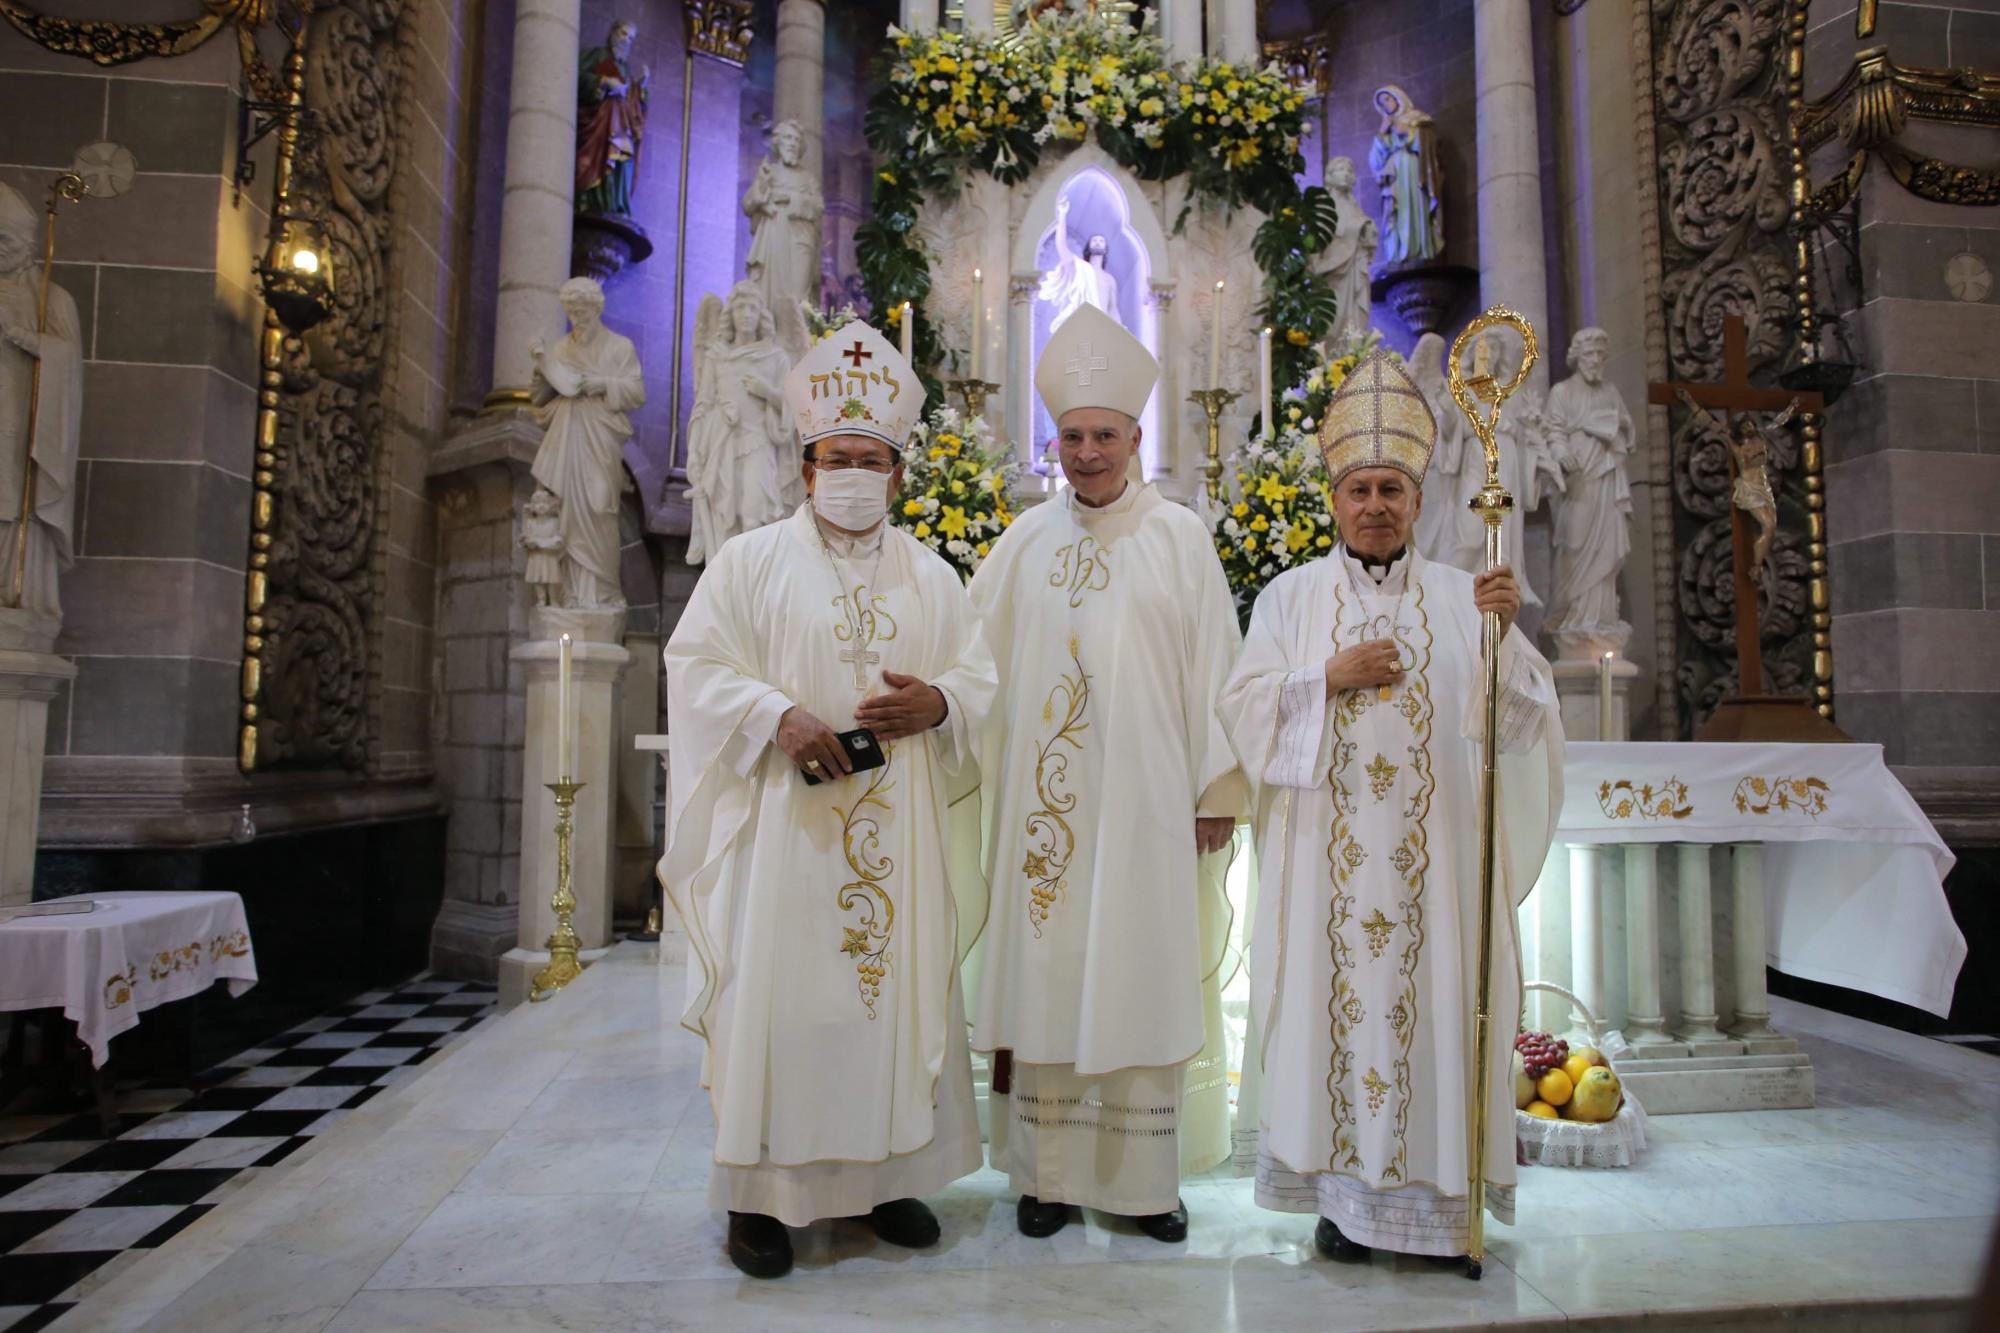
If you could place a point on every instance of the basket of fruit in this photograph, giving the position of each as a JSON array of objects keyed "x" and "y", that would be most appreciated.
[{"x": 1570, "y": 1109}]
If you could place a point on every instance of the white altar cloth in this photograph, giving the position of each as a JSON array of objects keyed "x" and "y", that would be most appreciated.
[
  {"x": 136, "y": 950},
  {"x": 1853, "y": 871}
]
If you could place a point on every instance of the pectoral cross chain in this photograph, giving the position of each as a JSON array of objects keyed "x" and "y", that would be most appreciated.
[{"x": 861, "y": 659}]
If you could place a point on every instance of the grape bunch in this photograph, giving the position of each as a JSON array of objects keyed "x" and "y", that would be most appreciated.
[{"x": 1541, "y": 1052}]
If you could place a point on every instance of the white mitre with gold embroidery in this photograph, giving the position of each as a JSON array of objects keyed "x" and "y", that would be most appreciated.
[
  {"x": 1092, "y": 361},
  {"x": 1377, "y": 418},
  {"x": 852, "y": 382}
]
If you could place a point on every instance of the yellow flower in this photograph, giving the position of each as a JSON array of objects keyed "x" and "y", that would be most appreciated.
[
  {"x": 911, "y": 508},
  {"x": 1259, "y": 523},
  {"x": 1239, "y": 509},
  {"x": 1249, "y": 543},
  {"x": 1270, "y": 490},
  {"x": 923, "y": 530},
  {"x": 1297, "y": 337},
  {"x": 895, "y": 315},
  {"x": 953, "y": 524},
  {"x": 947, "y": 65},
  {"x": 981, "y": 549},
  {"x": 1296, "y": 539},
  {"x": 957, "y": 487},
  {"x": 1322, "y": 541}
]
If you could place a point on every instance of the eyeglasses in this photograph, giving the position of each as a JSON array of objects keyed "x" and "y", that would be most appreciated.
[{"x": 880, "y": 466}]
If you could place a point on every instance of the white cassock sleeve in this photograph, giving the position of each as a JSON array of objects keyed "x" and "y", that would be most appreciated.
[
  {"x": 1275, "y": 712},
  {"x": 1527, "y": 693}
]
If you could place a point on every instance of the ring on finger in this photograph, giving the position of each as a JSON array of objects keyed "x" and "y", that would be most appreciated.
[{"x": 812, "y": 765}]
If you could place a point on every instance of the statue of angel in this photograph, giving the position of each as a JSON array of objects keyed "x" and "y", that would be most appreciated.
[
  {"x": 739, "y": 436},
  {"x": 1750, "y": 448}
]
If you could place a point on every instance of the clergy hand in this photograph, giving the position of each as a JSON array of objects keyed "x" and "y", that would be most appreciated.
[
  {"x": 909, "y": 707},
  {"x": 1497, "y": 591},
  {"x": 1372, "y": 663},
  {"x": 1212, "y": 835},
  {"x": 812, "y": 744}
]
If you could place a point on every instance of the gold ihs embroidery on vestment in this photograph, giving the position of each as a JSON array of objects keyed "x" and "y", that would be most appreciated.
[{"x": 1081, "y": 568}]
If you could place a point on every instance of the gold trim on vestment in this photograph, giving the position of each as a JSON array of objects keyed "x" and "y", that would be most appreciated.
[
  {"x": 1053, "y": 842},
  {"x": 860, "y": 843}
]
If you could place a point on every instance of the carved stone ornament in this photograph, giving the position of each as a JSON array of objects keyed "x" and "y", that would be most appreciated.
[
  {"x": 107, "y": 43},
  {"x": 1718, "y": 115},
  {"x": 721, "y": 29}
]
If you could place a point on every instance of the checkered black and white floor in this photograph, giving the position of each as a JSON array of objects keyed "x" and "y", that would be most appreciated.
[{"x": 75, "y": 1208}]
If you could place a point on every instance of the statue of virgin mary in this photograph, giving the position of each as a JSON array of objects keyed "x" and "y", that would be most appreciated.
[{"x": 1404, "y": 158}]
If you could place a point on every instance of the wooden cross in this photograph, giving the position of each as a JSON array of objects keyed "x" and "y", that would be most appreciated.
[
  {"x": 1733, "y": 395},
  {"x": 858, "y": 353},
  {"x": 860, "y": 659}
]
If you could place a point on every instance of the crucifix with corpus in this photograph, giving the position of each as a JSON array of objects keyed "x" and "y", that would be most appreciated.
[{"x": 1731, "y": 407}]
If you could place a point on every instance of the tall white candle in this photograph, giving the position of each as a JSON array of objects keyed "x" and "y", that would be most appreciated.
[
  {"x": 1604, "y": 697},
  {"x": 1215, "y": 340},
  {"x": 1264, "y": 379},
  {"x": 978, "y": 324},
  {"x": 562, "y": 714},
  {"x": 909, "y": 334}
]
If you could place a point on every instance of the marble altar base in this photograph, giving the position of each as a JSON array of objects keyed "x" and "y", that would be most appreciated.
[
  {"x": 1774, "y": 1081},
  {"x": 30, "y": 675},
  {"x": 550, "y": 1169}
]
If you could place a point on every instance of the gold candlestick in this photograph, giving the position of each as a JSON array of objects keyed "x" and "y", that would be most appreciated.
[
  {"x": 563, "y": 966},
  {"x": 1492, "y": 504},
  {"x": 1213, "y": 402},
  {"x": 975, "y": 392}
]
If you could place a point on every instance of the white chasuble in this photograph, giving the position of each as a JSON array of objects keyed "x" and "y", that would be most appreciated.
[
  {"x": 824, "y": 919},
  {"x": 1363, "y": 956},
  {"x": 1105, "y": 932}
]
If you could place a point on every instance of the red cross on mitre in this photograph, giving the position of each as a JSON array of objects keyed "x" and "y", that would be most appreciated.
[{"x": 858, "y": 353}]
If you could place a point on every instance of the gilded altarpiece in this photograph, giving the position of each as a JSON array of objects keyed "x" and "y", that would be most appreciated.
[
  {"x": 328, "y": 489},
  {"x": 1726, "y": 247}
]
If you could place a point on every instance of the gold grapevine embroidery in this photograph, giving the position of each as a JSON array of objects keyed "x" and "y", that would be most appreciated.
[
  {"x": 1379, "y": 929},
  {"x": 1785, "y": 796},
  {"x": 866, "y": 895},
  {"x": 1381, "y": 775},
  {"x": 1081, "y": 568},
  {"x": 1666, "y": 800},
  {"x": 1051, "y": 841},
  {"x": 1378, "y": 1088}
]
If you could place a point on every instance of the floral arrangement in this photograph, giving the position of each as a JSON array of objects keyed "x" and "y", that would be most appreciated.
[
  {"x": 1282, "y": 517},
  {"x": 1305, "y": 402},
  {"x": 955, "y": 102},
  {"x": 822, "y": 324},
  {"x": 956, "y": 488}
]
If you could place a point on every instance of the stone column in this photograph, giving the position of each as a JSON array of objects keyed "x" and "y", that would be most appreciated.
[
  {"x": 1180, "y": 29},
  {"x": 1586, "y": 940},
  {"x": 30, "y": 675},
  {"x": 1232, "y": 30},
  {"x": 1698, "y": 1028},
  {"x": 597, "y": 661},
  {"x": 800, "y": 94},
  {"x": 1512, "y": 269},
  {"x": 1645, "y": 1024},
  {"x": 1753, "y": 1004},
  {"x": 919, "y": 16},
  {"x": 539, "y": 201},
  {"x": 978, "y": 16}
]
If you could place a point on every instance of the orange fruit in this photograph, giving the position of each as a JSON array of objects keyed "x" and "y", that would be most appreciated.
[
  {"x": 1576, "y": 1065},
  {"x": 1542, "y": 1109},
  {"x": 1554, "y": 1087}
]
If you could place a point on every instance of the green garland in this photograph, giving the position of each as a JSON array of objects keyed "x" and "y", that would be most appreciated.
[{"x": 954, "y": 103}]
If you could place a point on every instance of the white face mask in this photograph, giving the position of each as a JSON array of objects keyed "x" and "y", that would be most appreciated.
[{"x": 853, "y": 498}]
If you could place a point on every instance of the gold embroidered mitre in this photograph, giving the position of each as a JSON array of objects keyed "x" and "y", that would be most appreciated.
[
  {"x": 1378, "y": 418},
  {"x": 852, "y": 382}
]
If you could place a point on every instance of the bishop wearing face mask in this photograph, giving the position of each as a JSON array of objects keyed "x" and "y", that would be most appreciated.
[{"x": 824, "y": 687}]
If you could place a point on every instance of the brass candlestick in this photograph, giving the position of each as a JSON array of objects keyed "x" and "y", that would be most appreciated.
[
  {"x": 1213, "y": 402},
  {"x": 1492, "y": 504},
  {"x": 563, "y": 966},
  {"x": 975, "y": 392}
]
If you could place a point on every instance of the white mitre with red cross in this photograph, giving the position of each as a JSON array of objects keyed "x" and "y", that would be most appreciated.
[
  {"x": 1092, "y": 361},
  {"x": 852, "y": 382}
]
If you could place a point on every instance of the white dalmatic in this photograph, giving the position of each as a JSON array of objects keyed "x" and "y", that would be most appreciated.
[
  {"x": 1105, "y": 935},
  {"x": 1363, "y": 957},
  {"x": 823, "y": 918}
]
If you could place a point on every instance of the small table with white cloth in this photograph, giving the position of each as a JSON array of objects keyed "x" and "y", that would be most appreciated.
[
  {"x": 1835, "y": 876},
  {"x": 130, "y": 953}
]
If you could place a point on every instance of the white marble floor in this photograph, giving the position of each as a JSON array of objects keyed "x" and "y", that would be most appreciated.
[{"x": 550, "y": 1172}]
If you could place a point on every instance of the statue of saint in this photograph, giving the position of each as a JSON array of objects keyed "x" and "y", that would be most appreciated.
[
  {"x": 1078, "y": 280},
  {"x": 1346, "y": 260},
  {"x": 785, "y": 206},
  {"x": 1445, "y": 530},
  {"x": 40, "y": 416},
  {"x": 741, "y": 446},
  {"x": 1591, "y": 434},
  {"x": 1404, "y": 158},
  {"x": 584, "y": 389},
  {"x": 610, "y": 122}
]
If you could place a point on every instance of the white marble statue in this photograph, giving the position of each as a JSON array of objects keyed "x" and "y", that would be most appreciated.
[
  {"x": 1404, "y": 158},
  {"x": 1445, "y": 528},
  {"x": 54, "y": 405},
  {"x": 584, "y": 388},
  {"x": 1590, "y": 434},
  {"x": 742, "y": 452},
  {"x": 785, "y": 206},
  {"x": 1346, "y": 260},
  {"x": 1078, "y": 280}
]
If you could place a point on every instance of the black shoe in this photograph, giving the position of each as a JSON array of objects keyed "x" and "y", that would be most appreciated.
[
  {"x": 1039, "y": 1219},
  {"x": 905, "y": 1222},
  {"x": 1168, "y": 1228},
  {"x": 1445, "y": 1260},
  {"x": 1329, "y": 1242},
  {"x": 759, "y": 1245}
]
